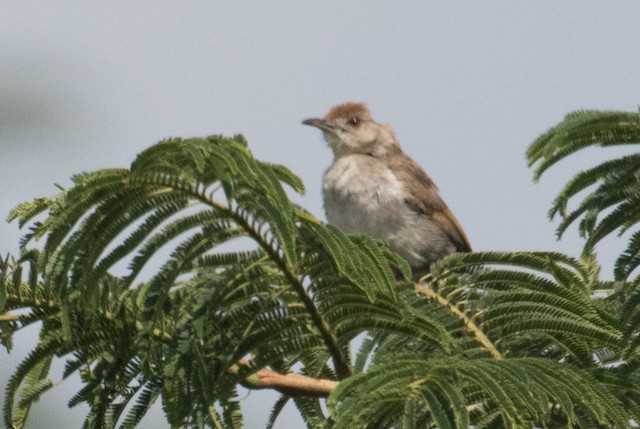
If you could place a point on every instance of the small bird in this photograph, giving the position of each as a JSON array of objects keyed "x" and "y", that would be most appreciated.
[{"x": 374, "y": 188}]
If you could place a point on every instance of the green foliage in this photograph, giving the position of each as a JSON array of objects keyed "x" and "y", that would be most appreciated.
[
  {"x": 212, "y": 301},
  {"x": 182, "y": 277},
  {"x": 612, "y": 199},
  {"x": 455, "y": 393}
]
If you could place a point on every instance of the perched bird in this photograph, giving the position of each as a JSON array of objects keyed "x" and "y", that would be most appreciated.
[{"x": 374, "y": 188}]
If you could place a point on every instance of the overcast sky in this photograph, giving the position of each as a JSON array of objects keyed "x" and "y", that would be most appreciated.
[{"x": 467, "y": 87}]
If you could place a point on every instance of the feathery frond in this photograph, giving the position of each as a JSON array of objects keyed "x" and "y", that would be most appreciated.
[
  {"x": 612, "y": 201},
  {"x": 192, "y": 272},
  {"x": 210, "y": 304},
  {"x": 519, "y": 392}
]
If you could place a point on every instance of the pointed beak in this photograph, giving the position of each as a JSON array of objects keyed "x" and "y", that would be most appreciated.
[{"x": 318, "y": 123}]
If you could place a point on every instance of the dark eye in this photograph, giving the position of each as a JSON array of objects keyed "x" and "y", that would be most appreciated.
[{"x": 354, "y": 122}]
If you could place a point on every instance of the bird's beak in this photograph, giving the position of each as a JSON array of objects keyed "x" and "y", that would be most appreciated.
[{"x": 318, "y": 123}]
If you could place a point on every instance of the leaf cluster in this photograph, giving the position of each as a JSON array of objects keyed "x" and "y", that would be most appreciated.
[
  {"x": 611, "y": 189},
  {"x": 182, "y": 277}
]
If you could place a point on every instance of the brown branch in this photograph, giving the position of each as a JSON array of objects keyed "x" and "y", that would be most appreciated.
[
  {"x": 289, "y": 384},
  {"x": 11, "y": 317}
]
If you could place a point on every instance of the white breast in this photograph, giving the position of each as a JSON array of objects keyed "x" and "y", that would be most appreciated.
[{"x": 362, "y": 195}]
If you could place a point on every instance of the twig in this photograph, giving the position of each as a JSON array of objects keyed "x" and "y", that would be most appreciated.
[{"x": 289, "y": 384}]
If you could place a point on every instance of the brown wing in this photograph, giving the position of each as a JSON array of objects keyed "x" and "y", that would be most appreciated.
[{"x": 424, "y": 198}]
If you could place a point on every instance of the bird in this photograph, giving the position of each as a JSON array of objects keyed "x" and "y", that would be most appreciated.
[{"x": 374, "y": 188}]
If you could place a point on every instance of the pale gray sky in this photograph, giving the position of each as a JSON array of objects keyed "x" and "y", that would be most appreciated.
[{"x": 466, "y": 85}]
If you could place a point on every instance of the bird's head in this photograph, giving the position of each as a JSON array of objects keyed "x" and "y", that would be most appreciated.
[{"x": 349, "y": 129}]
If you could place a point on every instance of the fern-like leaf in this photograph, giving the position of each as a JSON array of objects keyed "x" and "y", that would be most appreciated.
[{"x": 612, "y": 187}]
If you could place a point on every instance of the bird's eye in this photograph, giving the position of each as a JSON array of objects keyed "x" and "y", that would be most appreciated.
[{"x": 354, "y": 122}]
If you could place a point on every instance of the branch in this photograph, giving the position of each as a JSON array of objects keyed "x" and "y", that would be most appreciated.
[
  {"x": 10, "y": 317},
  {"x": 289, "y": 384}
]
